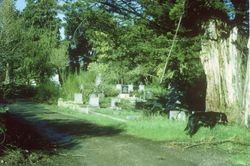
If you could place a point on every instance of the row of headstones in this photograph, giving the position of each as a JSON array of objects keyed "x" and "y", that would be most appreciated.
[
  {"x": 128, "y": 88},
  {"x": 94, "y": 102},
  {"x": 93, "y": 99}
]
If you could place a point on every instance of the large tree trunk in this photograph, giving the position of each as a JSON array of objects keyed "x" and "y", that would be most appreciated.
[
  {"x": 246, "y": 99},
  {"x": 225, "y": 67}
]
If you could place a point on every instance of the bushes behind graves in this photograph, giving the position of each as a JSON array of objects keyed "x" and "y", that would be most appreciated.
[
  {"x": 14, "y": 91},
  {"x": 47, "y": 92},
  {"x": 160, "y": 100},
  {"x": 78, "y": 83},
  {"x": 105, "y": 102}
]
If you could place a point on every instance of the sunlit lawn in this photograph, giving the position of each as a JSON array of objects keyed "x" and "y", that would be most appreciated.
[{"x": 233, "y": 139}]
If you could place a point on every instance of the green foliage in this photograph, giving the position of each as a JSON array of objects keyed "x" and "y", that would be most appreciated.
[
  {"x": 74, "y": 82},
  {"x": 14, "y": 91},
  {"x": 126, "y": 105},
  {"x": 42, "y": 15},
  {"x": 156, "y": 90},
  {"x": 105, "y": 102},
  {"x": 42, "y": 37},
  {"x": 109, "y": 90},
  {"x": 47, "y": 92},
  {"x": 11, "y": 40},
  {"x": 177, "y": 10}
]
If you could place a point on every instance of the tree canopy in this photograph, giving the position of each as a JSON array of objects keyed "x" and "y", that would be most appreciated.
[{"x": 130, "y": 39}]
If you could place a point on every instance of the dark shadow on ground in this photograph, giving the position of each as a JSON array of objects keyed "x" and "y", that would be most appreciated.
[{"x": 27, "y": 129}]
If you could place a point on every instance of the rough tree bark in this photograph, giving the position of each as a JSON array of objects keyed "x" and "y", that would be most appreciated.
[
  {"x": 246, "y": 99},
  {"x": 225, "y": 69}
]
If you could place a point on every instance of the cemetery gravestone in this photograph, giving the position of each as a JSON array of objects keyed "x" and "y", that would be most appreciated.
[
  {"x": 130, "y": 88},
  {"x": 118, "y": 87},
  {"x": 78, "y": 98},
  {"x": 94, "y": 100},
  {"x": 55, "y": 79},
  {"x": 124, "y": 92},
  {"x": 141, "y": 88},
  {"x": 125, "y": 89},
  {"x": 177, "y": 115}
]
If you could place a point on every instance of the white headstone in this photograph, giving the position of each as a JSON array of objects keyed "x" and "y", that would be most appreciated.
[
  {"x": 78, "y": 98},
  {"x": 118, "y": 87},
  {"x": 60, "y": 102},
  {"x": 55, "y": 79},
  {"x": 124, "y": 95},
  {"x": 141, "y": 88},
  {"x": 94, "y": 100},
  {"x": 130, "y": 88},
  {"x": 177, "y": 115}
]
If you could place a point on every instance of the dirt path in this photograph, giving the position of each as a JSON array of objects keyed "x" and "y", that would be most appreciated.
[{"x": 78, "y": 142}]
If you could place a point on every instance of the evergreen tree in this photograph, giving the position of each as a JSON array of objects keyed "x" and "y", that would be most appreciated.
[
  {"x": 11, "y": 40},
  {"x": 42, "y": 25}
]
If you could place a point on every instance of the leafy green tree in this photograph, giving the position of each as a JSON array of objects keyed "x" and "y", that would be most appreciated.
[
  {"x": 43, "y": 26},
  {"x": 59, "y": 59},
  {"x": 11, "y": 40}
]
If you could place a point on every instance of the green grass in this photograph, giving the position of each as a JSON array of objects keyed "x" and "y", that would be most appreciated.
[
  {"x": 120, "y": 113},
  {"x": 159, "y": 128}
]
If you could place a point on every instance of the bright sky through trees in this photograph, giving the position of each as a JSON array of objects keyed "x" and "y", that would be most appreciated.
[{"x": 20, "y": 4}]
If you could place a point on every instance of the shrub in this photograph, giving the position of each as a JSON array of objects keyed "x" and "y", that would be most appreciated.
[
  {"x": 105, "y": 102},
  {"x": 126, "y": 104},
  {"x": 74, "y": 82},
  {"x": 109, "y": 90},
  {"x": 47, "y": 92},
  {"x": 13, "y": 91}
]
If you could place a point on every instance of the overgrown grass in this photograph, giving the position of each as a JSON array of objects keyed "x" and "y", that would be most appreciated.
[
  {"x": 159, "y": 128},
  {"x": 74, "y": 83}
]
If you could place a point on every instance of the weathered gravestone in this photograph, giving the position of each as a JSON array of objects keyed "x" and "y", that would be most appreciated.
[
  {"x": 124, "y": 92},
  {"x": 125, "y": 89},
  {"x": 130, "y": 88},
  {"x": 55, "y": 79},
  {"x": 141, "y": 88},
  {"x": 78, "y": 98},
  {"x": 118, "y": 87},
  {"x": 94, "y": 100},
  {"x": 177, "y": 115},
  {"x": 114, "y": 102}
]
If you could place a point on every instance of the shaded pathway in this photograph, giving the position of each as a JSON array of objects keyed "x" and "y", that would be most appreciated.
[{"x": 81, "y": 143}]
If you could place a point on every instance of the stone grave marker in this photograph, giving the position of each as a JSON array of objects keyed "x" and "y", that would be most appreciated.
[
  {"x": 177, "y": 115},
  {"x": 124, "y": 92},
  {"x": 141, "y": 88},
  {"x": 130, "y": 88},
  {"x": 114, "y": 102},
  {"x": 125, "y": 89},
  {"x": 94, "y": 100},
  {"x": 78, "y": 98},
  {"x": 118, "y": 87}
]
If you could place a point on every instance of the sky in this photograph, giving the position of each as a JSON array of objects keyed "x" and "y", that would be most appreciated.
[{"x": 20, "y": 4}]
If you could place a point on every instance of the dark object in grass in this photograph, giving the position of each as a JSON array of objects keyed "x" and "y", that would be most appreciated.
[{"x": 206, "y": 119}]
